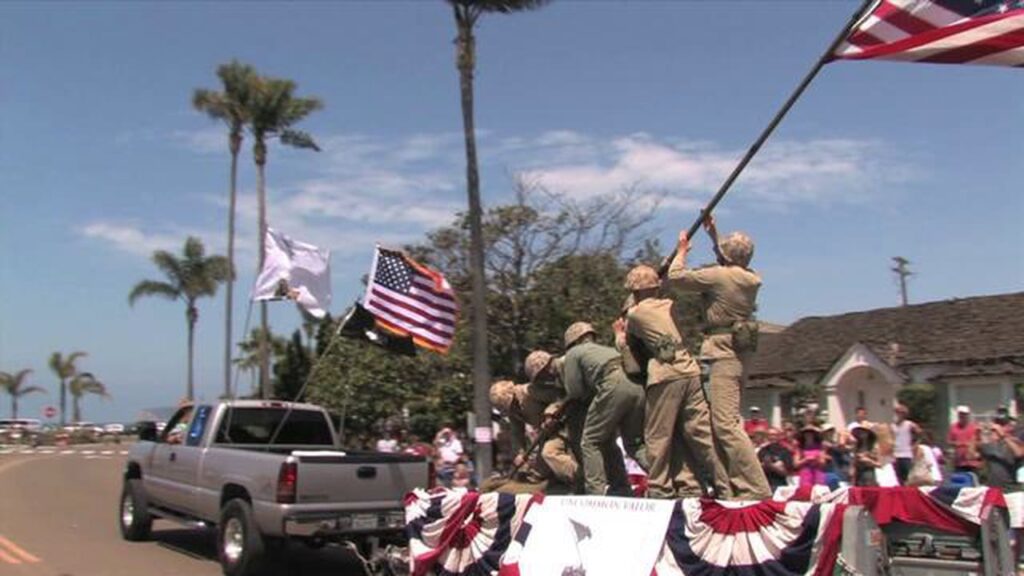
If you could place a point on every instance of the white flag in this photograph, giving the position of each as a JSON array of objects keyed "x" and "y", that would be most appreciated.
[{"x": 296, "y": 271}]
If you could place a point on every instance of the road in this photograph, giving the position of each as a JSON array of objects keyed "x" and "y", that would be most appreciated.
[{"x": 58, "y": 517}]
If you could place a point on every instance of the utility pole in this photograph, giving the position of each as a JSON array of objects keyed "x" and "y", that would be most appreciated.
[{"x": 901, "y": 270}]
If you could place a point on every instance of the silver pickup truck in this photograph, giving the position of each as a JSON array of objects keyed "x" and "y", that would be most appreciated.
[{"x": 264, "y": 473}]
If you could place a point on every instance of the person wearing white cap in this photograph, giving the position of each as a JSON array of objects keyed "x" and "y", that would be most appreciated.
[
  {"x": 756, "y": 423},
  {"x": 964, "y": 437}
]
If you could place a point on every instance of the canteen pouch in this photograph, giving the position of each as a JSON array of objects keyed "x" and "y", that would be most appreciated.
[{"x": 744, "y": 335}]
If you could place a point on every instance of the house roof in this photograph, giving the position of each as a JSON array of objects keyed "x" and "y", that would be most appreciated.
[{"x": 969, "y": 330}]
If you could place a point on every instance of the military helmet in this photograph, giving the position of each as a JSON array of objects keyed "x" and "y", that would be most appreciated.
[
  {"x": 501, "y": 394},
  {"x": 537, "y": 361},
  {"x": 737, "y": 248},
  {"x": 576, "y": 331},
  {"x": 642, "y": 277}
]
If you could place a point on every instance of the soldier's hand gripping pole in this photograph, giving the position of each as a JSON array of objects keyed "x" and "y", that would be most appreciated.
[
  {"x": 756, "y": 146},
  {"x": 549, "y": 426}
]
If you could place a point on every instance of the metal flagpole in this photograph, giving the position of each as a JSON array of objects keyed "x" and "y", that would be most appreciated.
[{"x": 756, "y": 146}]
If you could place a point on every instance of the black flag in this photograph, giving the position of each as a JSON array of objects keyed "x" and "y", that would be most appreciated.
[{"x": 360, "y": 324}]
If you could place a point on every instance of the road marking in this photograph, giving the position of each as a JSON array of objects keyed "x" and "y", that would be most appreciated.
[
  {"x": 67, "y": 451},
  {"x": 6, "y": 451},
  {"x": 88, "y": 451},
  {"x": 48, "y": 451},
  {"x": 107, "y": 452},
  {"x": 19, "y": 553}
]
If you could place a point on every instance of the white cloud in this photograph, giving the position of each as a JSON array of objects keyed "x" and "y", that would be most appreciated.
[
  {"x": 366, "y": 188},
  {"x": 132, "y": 239}
]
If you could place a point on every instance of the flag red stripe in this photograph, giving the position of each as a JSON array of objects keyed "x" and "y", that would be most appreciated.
[
  {"x": 442, "y": 300},
  {"x": 428, "y": 315},
  {"x": 862, "y": 38},
  {"x": 417, "y": 301},
  {"x": 430, "y": 284},
  {"x": 383, "y": 318},
  {"x": 991, "y": 45},
  {"x": 902, "y": 19}
]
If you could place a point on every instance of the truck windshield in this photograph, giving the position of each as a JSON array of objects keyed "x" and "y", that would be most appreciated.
[{"x": 257, "y": 425}]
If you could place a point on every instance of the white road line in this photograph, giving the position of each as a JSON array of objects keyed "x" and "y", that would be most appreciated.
[
  {"x": 88, "y": 451},
  {"x": 67, "y": 451},
  {"x": 48, "y": 451},
  {"x": 107, "y": 452}
]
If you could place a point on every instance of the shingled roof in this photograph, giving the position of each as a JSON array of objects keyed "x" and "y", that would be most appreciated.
[{"x": 970, "y": 330}]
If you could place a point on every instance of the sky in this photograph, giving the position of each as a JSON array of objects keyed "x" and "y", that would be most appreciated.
[{"x": 103, "y": 160}]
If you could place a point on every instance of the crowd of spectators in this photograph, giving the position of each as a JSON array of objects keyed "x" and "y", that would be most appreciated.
[
  {"x": 899, "y": 453},
  {"x": 453, "y": 463}
]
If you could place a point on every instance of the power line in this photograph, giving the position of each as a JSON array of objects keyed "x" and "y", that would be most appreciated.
[{"x": 901, "y": 270}]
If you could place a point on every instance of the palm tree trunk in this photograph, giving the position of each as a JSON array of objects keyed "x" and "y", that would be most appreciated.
[
  {"x": 260, "y": 152},
  {"x": 63, "y": 401},
  {"x": 235, "y": 144},
  {"x": 77, "y": 408},
  {"x": 191, "y": 315},
  {"x": 14, "y": 406},
  {"x": 481, "y": 367}
]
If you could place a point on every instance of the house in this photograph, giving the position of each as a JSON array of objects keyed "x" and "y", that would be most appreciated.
[{"x": 971, "y": 350}]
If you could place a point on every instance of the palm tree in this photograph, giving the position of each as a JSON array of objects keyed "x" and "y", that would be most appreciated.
[
  {"x": 65, "y": 368},
  {"x": 232, "y": 107},
  {"x": 249, "y": 358},
  {"x": 467, "y": 13},
  {"x": 188, "y": 278},
  {"x": 14, "y": 384},
  {"x": 273, "y": 110},
  {"x": 80, "y": 385}
]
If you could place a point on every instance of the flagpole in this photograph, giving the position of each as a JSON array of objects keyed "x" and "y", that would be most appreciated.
[{"x": 756, "y": 146}]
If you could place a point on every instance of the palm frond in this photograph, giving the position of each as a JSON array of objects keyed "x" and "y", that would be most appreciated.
[
  {"x": 170, "y": 265},
  {"x": 298, "y": 139},
  {"x": 153, "y": 288},
  {"x": 19, "y": 392}
]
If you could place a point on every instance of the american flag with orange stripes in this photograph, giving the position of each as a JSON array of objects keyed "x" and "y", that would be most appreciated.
[
  {"x": 940, "y": 31},
  {"x": 410, "y": 299}
]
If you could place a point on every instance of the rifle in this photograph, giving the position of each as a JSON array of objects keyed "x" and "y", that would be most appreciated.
[{"x": 543, "y": 436}]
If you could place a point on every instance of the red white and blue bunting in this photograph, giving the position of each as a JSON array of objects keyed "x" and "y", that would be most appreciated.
[{"x": 463, "y": 533}]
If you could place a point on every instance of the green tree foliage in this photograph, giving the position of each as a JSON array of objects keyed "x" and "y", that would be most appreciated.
[
  {"x": 188, "y": 278},
  {"x": 291, "y": 369},
  {"x": 248, "y": 360},
  {"x": 549, "y": 262},
  {"x": 920, "y": 399},
  {"x": 64, "y": 367},
  {"x": 14, "y": 385},
  {"x": 80, "y": 385}
]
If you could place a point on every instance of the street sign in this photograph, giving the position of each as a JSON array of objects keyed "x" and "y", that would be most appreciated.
[{"x": 50, "y": 411}]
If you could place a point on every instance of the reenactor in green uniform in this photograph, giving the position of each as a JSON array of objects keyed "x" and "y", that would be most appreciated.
[
  {"x": 677, "y": 429},
  {"x": 555, "y": 469},
  {"x": 612, "y": 405},
  {"x": 730, "y": 337}
]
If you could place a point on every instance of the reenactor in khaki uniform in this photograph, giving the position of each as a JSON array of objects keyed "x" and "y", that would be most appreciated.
[
  {"x": 554, "y": 470},
  {"x": 730, "y": 293},
  {"x": 677, "y": 429},
  {"x": 612, "y": 405}
]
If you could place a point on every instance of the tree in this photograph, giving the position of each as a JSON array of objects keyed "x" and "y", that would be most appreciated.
[
  {"x": 64, "y": 368},
  {"x": 80, "y": 385},
  {"x": 292, "y": 370},
  {"x": 232, "y": 107},
  {"x": 249, "y": 358},
  {"x": 273, "y": 110},
  {"x": 189, "y": 278},
  {"x": 14, "y": 384},
  {"x": 467, "y": 13}
]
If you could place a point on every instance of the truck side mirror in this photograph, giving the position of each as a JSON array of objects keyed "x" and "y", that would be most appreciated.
[{"x": 147, "y": 431}]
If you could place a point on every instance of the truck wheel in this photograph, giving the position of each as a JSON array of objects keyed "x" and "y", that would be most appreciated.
[
  {"x": 239, "y": 543},
  {"x": 136, "y": 522}
]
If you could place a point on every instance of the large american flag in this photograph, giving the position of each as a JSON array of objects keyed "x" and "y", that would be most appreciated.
[
  {"x": 410, "y": 299},
  {"x": 940, "y": 31}
]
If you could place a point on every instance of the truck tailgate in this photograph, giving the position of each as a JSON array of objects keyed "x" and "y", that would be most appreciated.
[{"x": 362, "y": 479}]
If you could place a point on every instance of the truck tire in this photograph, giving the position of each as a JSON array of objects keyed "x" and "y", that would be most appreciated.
[
  {"x": 239, "y": 542},
  {"x": 136, "y": 523}
]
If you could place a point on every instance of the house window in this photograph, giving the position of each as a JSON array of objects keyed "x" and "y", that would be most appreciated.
[
  {"x": 861, "y": 399},
  {"x": 983, "y": 399}
]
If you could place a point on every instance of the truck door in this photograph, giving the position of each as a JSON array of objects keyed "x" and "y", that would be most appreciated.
[{"x": 183, "y": 464}]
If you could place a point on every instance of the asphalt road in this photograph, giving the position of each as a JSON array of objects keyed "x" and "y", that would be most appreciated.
[{"x": 58, "y": 517}]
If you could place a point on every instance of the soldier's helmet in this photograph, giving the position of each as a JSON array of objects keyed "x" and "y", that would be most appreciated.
[
  {"x": 737, "y": 248},
  {"x": 642, "y": 277},
  {"x": 577, "y": 330},
  {"x": 501, "y": 394},
  {"x": 535, "y": 362}
]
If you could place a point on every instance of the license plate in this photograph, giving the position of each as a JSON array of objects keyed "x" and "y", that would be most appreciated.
[{"x": 364, "y": 521}]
